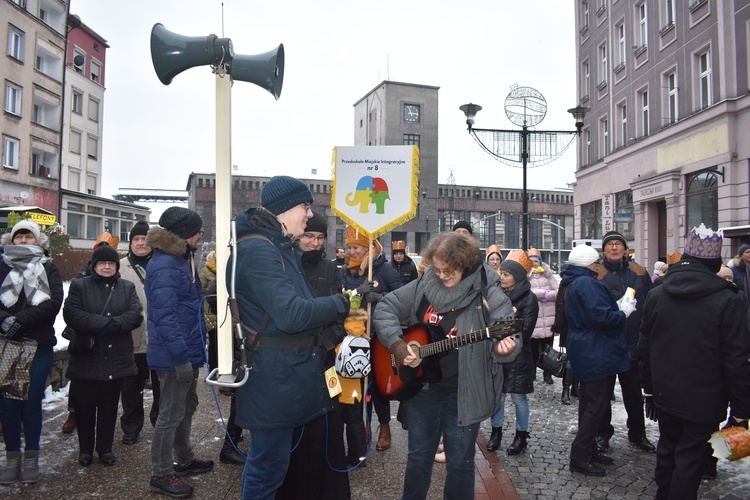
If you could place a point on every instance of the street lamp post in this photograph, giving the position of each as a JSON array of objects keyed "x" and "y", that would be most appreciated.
[
  {"x": 559, "y": 246},
  {"x": 525, "y": 107}
]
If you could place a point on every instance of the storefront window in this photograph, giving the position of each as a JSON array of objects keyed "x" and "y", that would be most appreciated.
[
  {"x": 624, "y": 217},
  {"x": 591, "y": 220},
  {"x": 702, "y": 200}
]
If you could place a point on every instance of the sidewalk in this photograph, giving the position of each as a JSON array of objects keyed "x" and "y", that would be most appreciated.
[{"x": 540, "y": 472}]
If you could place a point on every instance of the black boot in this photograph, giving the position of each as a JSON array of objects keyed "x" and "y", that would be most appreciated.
[
  {"x": 519, "y": 443},
  {"x": 229, "y": 455},
  {"x": 495, "y": 438},
  {"x": 567, "y": 381},
  {"x": 548, "y": 378}
]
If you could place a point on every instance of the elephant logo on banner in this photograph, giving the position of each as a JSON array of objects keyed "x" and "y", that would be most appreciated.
[{"x": 369, "y": 190}]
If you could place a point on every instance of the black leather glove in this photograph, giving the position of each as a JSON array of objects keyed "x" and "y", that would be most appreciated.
[
  {"x": 9, "y": 327},
  {"x": 648, "y": 404},
  {"x": 732, "y": 422},
  {"x": 373, "y": 297},
  {"x": 345, "y": 299},
  {"x": 367, "y": 286}
]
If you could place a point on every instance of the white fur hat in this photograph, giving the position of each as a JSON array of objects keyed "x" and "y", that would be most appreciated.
[
  {"x": 583, "y": 255},
  {"x": 29, "y": 225}
]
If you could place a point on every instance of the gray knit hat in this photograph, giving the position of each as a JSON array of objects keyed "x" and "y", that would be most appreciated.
[
  {"x": 181, "y": 221},
  {"x": 282, "y": 193}
]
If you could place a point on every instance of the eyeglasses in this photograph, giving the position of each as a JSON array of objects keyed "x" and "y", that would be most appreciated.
[
  {"x": 443, "y": 272},
  {"x": 201, "y": 231},
  {"x": 614, "y": 244},
  {"x": 306, "y": 206},
  {"x": 313, "y": 237}
]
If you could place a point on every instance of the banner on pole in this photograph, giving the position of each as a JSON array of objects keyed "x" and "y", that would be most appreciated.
[{"x": 375, "y": 188}]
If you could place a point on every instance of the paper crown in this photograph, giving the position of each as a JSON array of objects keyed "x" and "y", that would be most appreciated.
[
  {"x": 520, "y": 257},
  {"x": 674, "y": 258},
  {"x": 534, "y": 251},
  {"x": 704, "y": 243},
  {"x": 111, "y": 240},
  {"x": 354, "y": 237},
  {"x": 493, "y": 249},
  {"x": 398, "y": 245}
]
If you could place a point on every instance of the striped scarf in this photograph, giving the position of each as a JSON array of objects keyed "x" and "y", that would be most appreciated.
[{"x": 27, "y": 273}]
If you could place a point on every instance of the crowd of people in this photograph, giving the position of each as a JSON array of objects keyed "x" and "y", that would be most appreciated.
[{"x": 677, "y": 340}]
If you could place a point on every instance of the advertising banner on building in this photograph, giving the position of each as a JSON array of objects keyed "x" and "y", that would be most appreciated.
[
  {"x": 608, "y": 213},
  {"x": 375, "y": 188}
]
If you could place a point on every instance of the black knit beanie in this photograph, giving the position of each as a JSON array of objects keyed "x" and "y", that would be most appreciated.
[
  {"x": 139, "y": 229},
  {"x": 105, "y": 253},
  {"x": 181, "y": 221},
  {"x": 318, "y": 224},
  {"x": 463, "y": 224},
  {"x": 614, "y": 235}
]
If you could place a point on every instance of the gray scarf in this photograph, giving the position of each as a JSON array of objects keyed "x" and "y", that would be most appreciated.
[
  {"x": 445, "y": 299},
  {"x": 27, "y": 273}
]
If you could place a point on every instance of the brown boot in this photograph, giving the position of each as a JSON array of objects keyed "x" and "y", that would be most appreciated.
[
  {"x": 70, "y": 424},
  {"x": 384, "y": 437}
]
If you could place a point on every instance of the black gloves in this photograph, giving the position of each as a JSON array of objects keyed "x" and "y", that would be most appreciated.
[
  {"x": 9, "y": 327},
  {"x": 367, "y": 286},
  {"x": 648, "y": 404},
  {"x": 345, "y": 299},
  {"x": 373, "y": 297}
]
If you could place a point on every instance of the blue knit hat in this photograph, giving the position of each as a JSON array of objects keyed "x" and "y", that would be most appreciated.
[{"x": 282, "y": 193}]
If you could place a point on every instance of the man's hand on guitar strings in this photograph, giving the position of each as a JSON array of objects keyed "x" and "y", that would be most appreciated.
[
  {"x": 404, "y": 355},
  {"x": 506, "y": 346}
]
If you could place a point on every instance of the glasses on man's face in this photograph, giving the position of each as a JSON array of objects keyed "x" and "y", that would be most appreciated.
[
  {"x": 306, "y": 206},
  {"x": 201, "y": 231},
  {"x": 313, "y": 237},
  {"x": 613, "y": 244}
]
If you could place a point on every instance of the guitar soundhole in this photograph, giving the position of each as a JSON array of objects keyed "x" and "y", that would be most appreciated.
[{"x": 415, "y": 347}]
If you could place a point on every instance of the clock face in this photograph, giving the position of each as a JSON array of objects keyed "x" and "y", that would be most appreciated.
[{"x": 411, "y": 112}]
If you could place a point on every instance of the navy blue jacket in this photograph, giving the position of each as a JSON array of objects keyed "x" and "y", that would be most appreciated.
[
  {"x": 173, "y": 295},
  {"x": 596, "y": 342},
  {"x": 286, "y": 387}
]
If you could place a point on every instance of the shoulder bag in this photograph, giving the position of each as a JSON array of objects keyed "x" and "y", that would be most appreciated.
[{"x": 81, "y": 343}]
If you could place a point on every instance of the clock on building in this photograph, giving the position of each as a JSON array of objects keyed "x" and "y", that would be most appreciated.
[{"x": 411, "y": 112}]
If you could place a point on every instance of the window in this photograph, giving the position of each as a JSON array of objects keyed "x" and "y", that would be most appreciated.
[
  {"x": 487, "y": 229},
  {"x": 591, "y": 219},
  {"x": 411, "y": 139},
  {"x": 96, "y": 71},
  {"x": 587, "y": 158},
  {"x": 75, "y": 142},
  {"x": 584, "y": 14},
  {"x": 621, "y": 44},
  {"x": 642, "y": 25},
  {"x": 605, "y": 136},
  {"x": 702, "y": 199},
  {"x": 603, "y": 64},
  {"x": 76, "y": 105},
  {"x": 15, "y": 43},
  {"x": 93, "y": 110},
  {"x": 12, "y": 98},
  {"x": 704, "y": 77},
  {"x": 644, "y": 113},
  {"x": 91, "y": 189},
  {"x": 623, "y": 111},
  {"x": 92, "y": 148},
  {"x": 93, "y": 227},
  {"x": 668, "y": 13},
  {"x": 75, "y": 225},
  {"x": 11, "y": 147},
  {"x": 49, "y": 63},
  {"x": 624, "y": 219},
  {"x": 81, "y": 54},
  {"x": 586, "y": 91},
  {"x": 125, "y": 228},
  {"x": 672, "y": 97}
]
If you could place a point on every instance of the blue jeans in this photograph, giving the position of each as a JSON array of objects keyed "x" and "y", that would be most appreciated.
[
  {"x": 177, "y": 404},
  {"x": 29, "y": 413},
  {"x": 521, "y": 402},
  {"x": 267, "y": 462},
  {"x": 431, "y": 413}
]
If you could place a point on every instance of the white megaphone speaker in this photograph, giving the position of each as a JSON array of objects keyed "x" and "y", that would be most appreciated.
[
  {"x": 264, "y": 70},
  {"x": 172, "y": 53}
]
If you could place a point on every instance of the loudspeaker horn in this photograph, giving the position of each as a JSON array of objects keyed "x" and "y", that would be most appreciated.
[
  {"x": 264, "y": 70},
  {"x": 172, "y": 53}
]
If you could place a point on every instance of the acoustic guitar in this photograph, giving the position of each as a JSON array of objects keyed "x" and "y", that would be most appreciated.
[{"x": 400, "y": 382}]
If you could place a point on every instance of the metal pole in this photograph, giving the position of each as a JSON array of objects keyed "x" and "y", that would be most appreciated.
[
  {"x": 559, "y": 262},
  {"x": 525, "y": 206}
]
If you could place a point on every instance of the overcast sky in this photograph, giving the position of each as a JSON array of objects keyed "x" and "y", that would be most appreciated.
[{"x": 336, "y": 52}]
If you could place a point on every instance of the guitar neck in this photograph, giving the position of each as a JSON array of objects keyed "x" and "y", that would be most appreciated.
[{"x": 461, "y": 340}]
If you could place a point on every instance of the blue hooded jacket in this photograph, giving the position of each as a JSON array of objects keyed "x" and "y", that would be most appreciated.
[
  {"x": 596, "y": 342},
  {"x": 286, "y": 387}
]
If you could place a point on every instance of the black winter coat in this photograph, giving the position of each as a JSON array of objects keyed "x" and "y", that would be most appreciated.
[
  {"x": 112, "y": 356},
  {"x": 519, "y": 375},
  {"x": 37, "y": 322},
  {"x": 694, "y": 348},
  {"x": 407, "y": 270},
  {"x": 325, "y": 278}
]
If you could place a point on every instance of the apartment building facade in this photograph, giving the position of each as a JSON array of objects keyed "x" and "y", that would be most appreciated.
[{"x": 663, "y": 146}]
